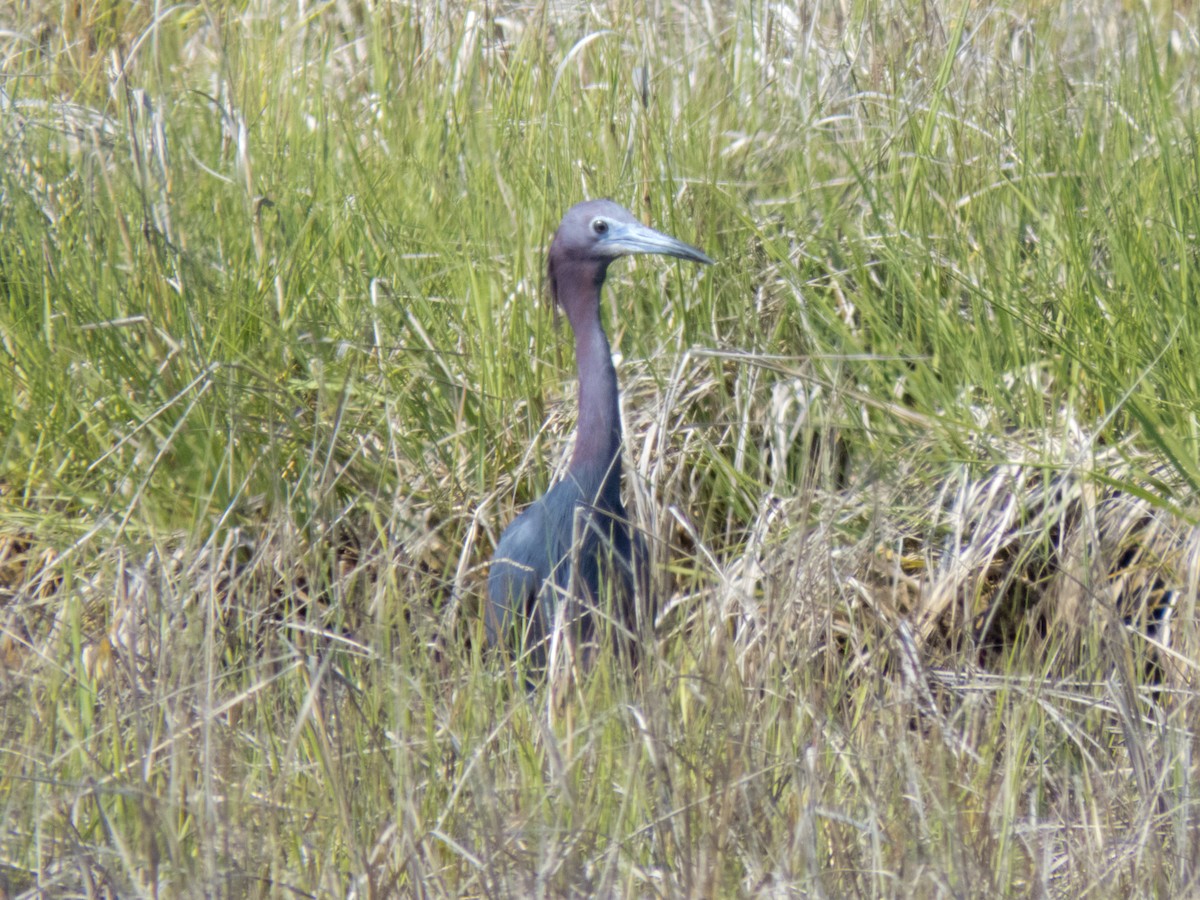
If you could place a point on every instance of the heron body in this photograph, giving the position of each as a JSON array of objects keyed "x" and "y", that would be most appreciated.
[{"x": 573, "y": 550}]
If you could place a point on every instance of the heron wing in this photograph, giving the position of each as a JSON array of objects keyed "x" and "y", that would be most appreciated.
[{"x": 519, "y": 567}]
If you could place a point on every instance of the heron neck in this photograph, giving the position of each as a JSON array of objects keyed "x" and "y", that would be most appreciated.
[{"x": 597, "y": 457}]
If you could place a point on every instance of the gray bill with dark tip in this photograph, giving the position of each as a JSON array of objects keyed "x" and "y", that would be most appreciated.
[{"x": 630, "y": 237}]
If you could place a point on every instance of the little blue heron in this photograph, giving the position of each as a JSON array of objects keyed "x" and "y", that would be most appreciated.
[{"x": 575, "y": 544}]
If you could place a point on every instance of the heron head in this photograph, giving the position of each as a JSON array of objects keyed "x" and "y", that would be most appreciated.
[
  {"x": 601, "y": 231},
  {"x": 594, "y": 233}
]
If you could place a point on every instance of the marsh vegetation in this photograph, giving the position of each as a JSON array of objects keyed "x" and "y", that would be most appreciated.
[{"x": 916, "y": 461}]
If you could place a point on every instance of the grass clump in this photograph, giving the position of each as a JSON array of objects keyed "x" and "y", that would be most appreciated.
[{"x": 916, "y": 460}]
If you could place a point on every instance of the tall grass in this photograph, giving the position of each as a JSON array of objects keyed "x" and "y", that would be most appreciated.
[{"x": 917, "y": 460}]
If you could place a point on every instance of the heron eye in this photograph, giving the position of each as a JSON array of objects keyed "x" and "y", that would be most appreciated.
[{"x": 599, "y": 226}]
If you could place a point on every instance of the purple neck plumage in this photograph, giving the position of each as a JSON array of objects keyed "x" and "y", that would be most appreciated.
[{"x": 596, "y": 463}]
